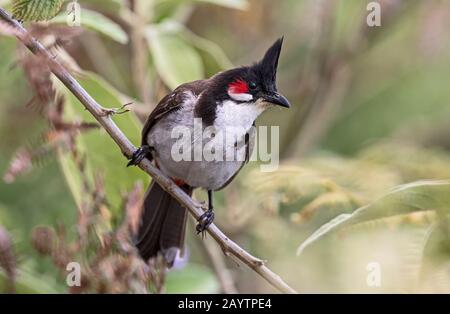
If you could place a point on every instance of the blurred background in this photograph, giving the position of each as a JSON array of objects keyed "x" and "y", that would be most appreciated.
[{"x": 365, "y": 148}]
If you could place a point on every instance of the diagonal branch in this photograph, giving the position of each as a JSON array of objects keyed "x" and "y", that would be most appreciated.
[{"x": 101, "y": 115}]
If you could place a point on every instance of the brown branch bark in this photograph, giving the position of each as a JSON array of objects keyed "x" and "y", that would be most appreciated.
[{"x": 103, "y": 116}]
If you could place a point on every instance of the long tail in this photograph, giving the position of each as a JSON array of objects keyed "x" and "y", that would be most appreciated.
[{"x": 163, "y": 224}]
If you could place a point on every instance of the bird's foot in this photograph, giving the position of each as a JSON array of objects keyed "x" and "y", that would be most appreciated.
[
  {"x": 112, "y": 111},
  {"x": 204, "y": 221},
  {"x": 139, "y": 155}
]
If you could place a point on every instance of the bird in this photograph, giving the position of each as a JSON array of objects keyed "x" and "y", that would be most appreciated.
[{"x": 229, "y": 100}]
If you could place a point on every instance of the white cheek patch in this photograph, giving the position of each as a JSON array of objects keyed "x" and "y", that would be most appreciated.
[{"x": 240, "y": 96}]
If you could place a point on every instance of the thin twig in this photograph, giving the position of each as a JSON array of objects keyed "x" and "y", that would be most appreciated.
[
  {"x": 138, "y": 48},
  {"x": 127, "y": 148},
  {"x": 216, "y": 258}
]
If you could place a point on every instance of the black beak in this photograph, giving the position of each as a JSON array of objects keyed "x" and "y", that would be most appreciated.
[{"x": 277, "y": 99}]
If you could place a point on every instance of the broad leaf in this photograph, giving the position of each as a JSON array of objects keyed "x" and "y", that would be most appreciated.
[
  {"x": 99, "y": 23},
  {"x": 36, "y": 10},
  {"x": 175, "y": 60},
  {"x": 233, "y": 4},
  {"x": 210, "y": 47}
]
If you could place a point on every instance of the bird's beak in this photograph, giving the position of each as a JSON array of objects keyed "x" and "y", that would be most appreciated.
[{"x": 277, "y": 99}]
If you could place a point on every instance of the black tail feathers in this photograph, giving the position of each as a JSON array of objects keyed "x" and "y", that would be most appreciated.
[{"x": 163, "y": 225}]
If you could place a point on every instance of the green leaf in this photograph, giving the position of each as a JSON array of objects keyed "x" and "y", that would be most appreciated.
[
  {"x": 164, "y": 10},
  {"x": 98, "y": 23},
  {"x": 233, "y": 4},
  {"x": 102, "y": 154},
  {"x": 191, "y": 279},
  {"x": 110, "y": 6},
  {"x": 210, "y": 47},
  {"x": 404, "y": 199},
  {"x": 36, "y": 10},
  {"x": 175, "y": 60}
]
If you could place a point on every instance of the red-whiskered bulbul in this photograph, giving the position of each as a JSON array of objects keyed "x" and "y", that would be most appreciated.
[{"x": 232, "y": 98}]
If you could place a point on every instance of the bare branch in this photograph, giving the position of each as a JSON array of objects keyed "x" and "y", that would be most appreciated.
[
  {"x": 127, "y": 148},
  {"x": 217, "y": 261}
]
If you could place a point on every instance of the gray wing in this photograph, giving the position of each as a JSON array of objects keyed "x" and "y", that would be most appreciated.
[{"x": 171, "y": 102}]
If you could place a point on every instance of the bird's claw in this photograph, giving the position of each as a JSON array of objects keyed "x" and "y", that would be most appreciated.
[
  {"x": 204, "y": 221},
  {"x": 113, "y": 111},
  {"x": 139, "y": 155}
]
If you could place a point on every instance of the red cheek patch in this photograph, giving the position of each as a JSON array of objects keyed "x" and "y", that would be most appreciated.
[{"x": 238, "y": 87}]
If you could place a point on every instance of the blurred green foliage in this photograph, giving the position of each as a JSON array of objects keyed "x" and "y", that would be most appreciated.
[{"x": 365, "y": 148}]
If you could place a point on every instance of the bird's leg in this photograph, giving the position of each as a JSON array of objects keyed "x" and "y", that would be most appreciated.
[
  {"x": 112, "y": 111},
  {"x": 139, "y": 154},
  {"x": 208, "y": 216}
]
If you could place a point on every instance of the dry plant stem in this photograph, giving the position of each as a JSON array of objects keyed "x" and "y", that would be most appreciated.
[
  {"x": 127, "y": 148},
  {"x": 138, "y": 45},
  {"x": 220, "y": 268}
]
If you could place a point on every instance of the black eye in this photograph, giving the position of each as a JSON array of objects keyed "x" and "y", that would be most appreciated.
[{"x": 252, "y": 85}]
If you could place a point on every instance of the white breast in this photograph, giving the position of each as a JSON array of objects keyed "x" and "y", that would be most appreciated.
[
  {"x": 240, "y": 115},
  {"x": 207, "y": 174}
]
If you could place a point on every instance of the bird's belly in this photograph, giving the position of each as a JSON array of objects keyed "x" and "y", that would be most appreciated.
[{"x": 211, "y": 175}]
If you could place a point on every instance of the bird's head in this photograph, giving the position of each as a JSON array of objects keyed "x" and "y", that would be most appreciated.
[
  {"x": 254, "y": 84},
  {"x": 246, "y": 90}
]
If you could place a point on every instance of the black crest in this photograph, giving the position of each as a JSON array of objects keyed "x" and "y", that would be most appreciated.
[
  {"x": 262, "y": 73},
  {"x": 267, "y": 67}
]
